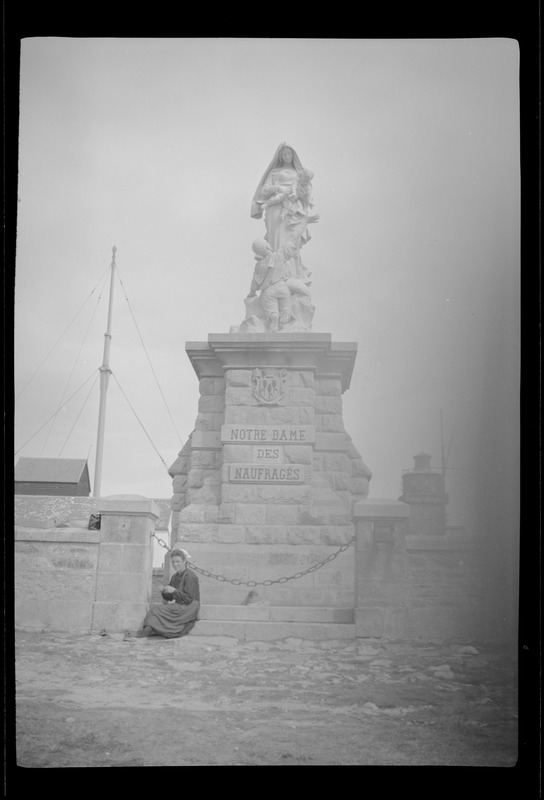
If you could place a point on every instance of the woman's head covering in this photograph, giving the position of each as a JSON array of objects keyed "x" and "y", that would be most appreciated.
[
  {"x": 181, "y": 553},
  {"x": 256, "y": 210}
]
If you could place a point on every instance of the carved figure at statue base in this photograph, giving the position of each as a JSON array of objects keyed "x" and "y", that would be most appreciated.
[{"x": 284, "y": 302}]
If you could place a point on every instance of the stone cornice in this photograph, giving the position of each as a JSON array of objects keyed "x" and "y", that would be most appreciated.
[{"x": 314, "y": 351}]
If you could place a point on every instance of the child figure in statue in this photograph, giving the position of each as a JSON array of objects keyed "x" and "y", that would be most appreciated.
[{"x": 270, "y": 277}]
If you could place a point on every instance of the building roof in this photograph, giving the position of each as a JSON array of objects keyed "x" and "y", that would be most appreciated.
[{"x": 51, "y": 470}]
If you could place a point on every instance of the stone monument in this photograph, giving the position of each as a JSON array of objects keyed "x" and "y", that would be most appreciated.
[{"x": 266, "y": 484}]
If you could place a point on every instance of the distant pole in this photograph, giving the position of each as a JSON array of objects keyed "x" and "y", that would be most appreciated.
[
  {"x": 442, "y": 445},
  {"x": 105, "y": 373}
]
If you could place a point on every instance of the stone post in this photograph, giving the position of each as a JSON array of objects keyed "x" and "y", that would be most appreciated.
[
  {"x": 380, "y": 554},
  {"x": 125, "y": 562}
]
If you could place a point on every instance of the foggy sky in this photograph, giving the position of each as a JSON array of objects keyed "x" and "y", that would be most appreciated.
[{"x": 156, "y": 146}]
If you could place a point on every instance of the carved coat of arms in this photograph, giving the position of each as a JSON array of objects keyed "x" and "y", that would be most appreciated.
[{"x": 269, "y": 385}]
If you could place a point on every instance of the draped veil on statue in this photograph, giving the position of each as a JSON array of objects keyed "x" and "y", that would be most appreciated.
[{"x": 256, "y": 209}]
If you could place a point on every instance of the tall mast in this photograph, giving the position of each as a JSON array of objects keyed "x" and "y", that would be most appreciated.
[
  {"x": 442, "y": 445},
  {"x": 105, "y": 373}
]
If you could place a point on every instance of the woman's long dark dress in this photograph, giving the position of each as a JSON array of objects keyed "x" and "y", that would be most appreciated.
[{"x": 177, "y": 619}]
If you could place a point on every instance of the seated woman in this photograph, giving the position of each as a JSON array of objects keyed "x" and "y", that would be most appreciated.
[{"x": 181, "y": 602}]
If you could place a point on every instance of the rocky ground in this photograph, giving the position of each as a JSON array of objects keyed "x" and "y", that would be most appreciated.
[{"x": 98, "y": 701}]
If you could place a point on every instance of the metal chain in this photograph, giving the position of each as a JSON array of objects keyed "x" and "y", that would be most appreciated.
[{"x": 268, "y": 582}]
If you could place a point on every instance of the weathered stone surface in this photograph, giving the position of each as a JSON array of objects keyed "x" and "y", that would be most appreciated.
[
  {"x": 301, "y": 396},
  {"x": 336, "y": 462},
  {"x": 298, "y": 454},
  {"x": 304, "y": 378},
  {"x": 195, "y": 532},
  {"x": 207, "y": 386},
  {"x": 123, "y": 587},
  {"x": 237, "y": 453},
  {"x": 338, "y": 480},
  {"x": 207, "y": 459},
  {"x": 359, "y": 487},
  {"x": 227, "y": 512},
  {"x": 124, "y": 529},
  {"x": 211, "y": 404},
  {"x": 250, "y": 514},
  {"x": 180, "y": 466},
  {"x": 260, "y": 415},
  {"x": 206, "y": 494},
  {"x": 282, "y": 514},
  {"x": 238, "y": 377},
  {"x": 328, "y": 386},
  {"x": 306, "y": 415},
  {"x": 266, "y": 534},
  {"x": 212, "y": 386},
  {"x": 329, "y": 423},
  {"x": 201, "y": 513},
  {"x": 178, "y": 502},
  {"x": 195, "y": 478},
  {"x": 209, "y": 422},
  {"x": 119, "y": 558},
  {"x": 239, "y": 493},
  {"x": 230, "y": 533},
  {"x": 304, "y": 534},
  {"x": 325, "y": 404},
  {"x": 205, "y": 440},
  {"x": 337, "y": 534},
  {"x": 237, "y": 396},
  {"x": 179, "y": 483},
  {"x": 283, "y": 494}
]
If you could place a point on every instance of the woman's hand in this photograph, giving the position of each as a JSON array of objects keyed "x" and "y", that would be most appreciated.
[{"x": 168, "y": 589}]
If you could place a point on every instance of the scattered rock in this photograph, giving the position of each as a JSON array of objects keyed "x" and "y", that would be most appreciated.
[
  {"x": 393, "y": 712},
  {"x": 443, "y": 671},
  {"x": 367, "y": 650},
  {"x": 468, "y": 650}
]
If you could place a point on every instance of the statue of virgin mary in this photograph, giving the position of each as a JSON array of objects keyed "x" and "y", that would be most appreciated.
[{"x": 284, "y": 194}]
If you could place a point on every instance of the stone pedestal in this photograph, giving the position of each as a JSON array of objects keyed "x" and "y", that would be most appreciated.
[
  {"x": 125, "y": 562},
  {"x": 266, "y": 484}
]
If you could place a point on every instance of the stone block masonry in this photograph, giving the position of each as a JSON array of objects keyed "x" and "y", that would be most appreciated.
[
  {"x": 73, "y": 578},
  {"x": 269, "y": 464}
]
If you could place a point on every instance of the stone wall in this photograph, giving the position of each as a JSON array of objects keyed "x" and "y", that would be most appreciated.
[
  {"x": 418, "y": 587},
  {"x": 73, "y": 578},
  {"x": 55, "y": 577}
]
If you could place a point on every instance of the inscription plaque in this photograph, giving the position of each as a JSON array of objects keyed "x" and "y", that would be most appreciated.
[
  {"x": 267, "y": 453},
  {"x": 268, "y": 434},
  {"x": 256, "y": 473}
]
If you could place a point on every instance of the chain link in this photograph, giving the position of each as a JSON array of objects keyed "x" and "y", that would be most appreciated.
[{"x": 267, "y": 582}]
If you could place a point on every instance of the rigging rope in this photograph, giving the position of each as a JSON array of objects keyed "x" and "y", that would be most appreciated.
[
  {"x": 141, "y": 424},
  {"x": 78, "y": 416},
  {"x": 72, "y": 372},
  {"x": 56, "y": 412},
  {"x": 103, "y": 276},
  {"x": 149, "y": 360}
]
